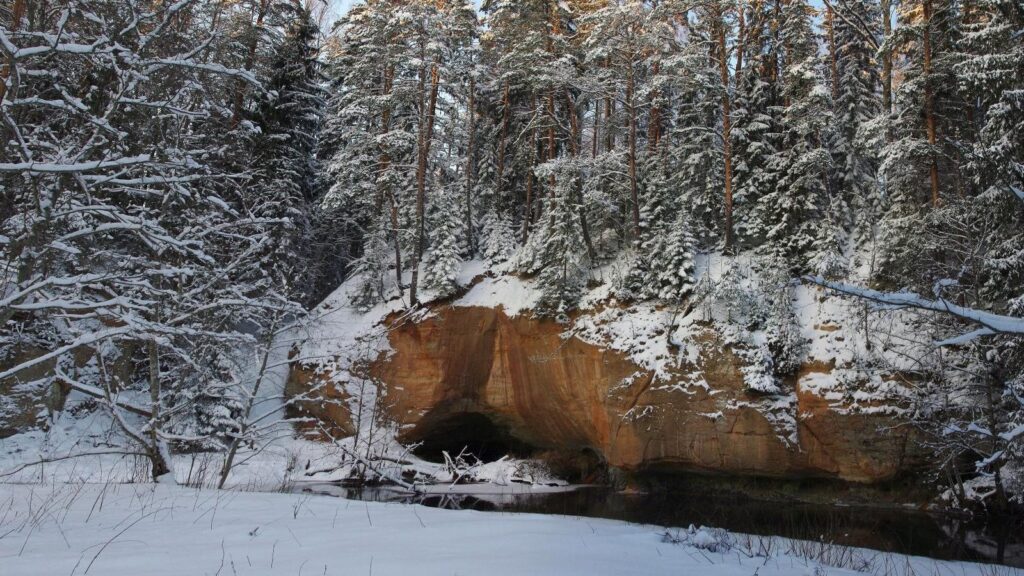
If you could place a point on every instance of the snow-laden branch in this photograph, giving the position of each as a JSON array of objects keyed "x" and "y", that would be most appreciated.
[
  {"x": 54, "y": 168},
  {"x": 244, "y": 75},
  {"x": 84, "y": 340},
  {"x": 990, "y": 323}
]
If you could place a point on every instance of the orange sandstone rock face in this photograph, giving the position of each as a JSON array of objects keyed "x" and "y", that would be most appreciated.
[{"x": 564, "y": 394}]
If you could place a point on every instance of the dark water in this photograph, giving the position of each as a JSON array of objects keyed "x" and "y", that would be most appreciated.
[{"x": 891, "y": 530}]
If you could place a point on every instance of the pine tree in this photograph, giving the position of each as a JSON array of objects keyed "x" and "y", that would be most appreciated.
[{"x": 916, "y": 161}]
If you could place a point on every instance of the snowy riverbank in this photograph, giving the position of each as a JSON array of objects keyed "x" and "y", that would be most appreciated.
[{"x": 132, "y": 529}]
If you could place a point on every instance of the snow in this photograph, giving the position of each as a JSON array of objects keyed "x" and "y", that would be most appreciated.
[
  {"x": 161, "y": 529},
  {"x": 510, "y": 293},
  {"x": 992, "y": 323},
  {"x": 51, "y": 167}
]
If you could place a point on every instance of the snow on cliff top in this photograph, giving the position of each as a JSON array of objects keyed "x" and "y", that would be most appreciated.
[{"x": 510, "y": 293}]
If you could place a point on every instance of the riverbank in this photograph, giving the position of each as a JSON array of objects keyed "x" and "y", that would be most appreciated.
[
  {"x": 884, "y": 528},
  {"x": 128, "y": 529}
]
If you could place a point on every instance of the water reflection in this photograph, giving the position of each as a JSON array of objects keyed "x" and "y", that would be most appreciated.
[{"x": 900, "y": 531}]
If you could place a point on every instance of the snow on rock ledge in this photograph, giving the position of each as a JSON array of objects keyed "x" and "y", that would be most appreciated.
[{"x": 636, "y": 385}]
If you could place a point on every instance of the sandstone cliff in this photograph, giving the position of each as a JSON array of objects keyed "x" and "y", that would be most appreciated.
[{"x": 558, "y": 390}]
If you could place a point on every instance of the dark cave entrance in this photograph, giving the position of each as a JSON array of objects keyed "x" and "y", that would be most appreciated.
[{"x": 478, "y": 434}]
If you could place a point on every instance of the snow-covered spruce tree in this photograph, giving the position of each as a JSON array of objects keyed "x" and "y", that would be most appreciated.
[
  {"x": 496, "y": 237},
  {"x": 781, "y": 326},
  {"x": 755, "y": 129},
  {"x": 697, "y": 151},
  {"x": 290, "y": 118},
  {"x": 675, "y": 279},
  {"x": 982, "y": 246},
  {"x": 371, "y": 267},
  {"x": 654, "y": 217},
  {"x": 444, "y": 260},
  {"x": 484, "y": 193},
  {"x": 663, "y": 265},
  {"x": 991, "y": 72},
  {"x": 857, "y": 31},
  {"x": 790, "y": 215},
  {"x": 499, "y": 241},
  {"x": 562, "y": 256}
]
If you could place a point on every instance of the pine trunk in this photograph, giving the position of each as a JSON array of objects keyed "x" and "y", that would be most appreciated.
[
  {"x": 250, "y": 61},
  {"x": 723, "y": 64},
  {"x": 832, "y": 56},
  {"x": 502, "y": 143},
  {"x": 17, "y": 15},
  {"x": 929, "y": 103},
  {"x": 470, "y": 163},
  {"x": 887, "y": 68},
  {"x": 575, "y": 143},
  {"x": 631, "y": 111},
  {"x": 426, "y": 137},
  {"x": 654, "y": 122}
]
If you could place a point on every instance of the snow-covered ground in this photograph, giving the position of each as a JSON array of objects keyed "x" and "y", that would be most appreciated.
[{"x": 153, "y": 530}]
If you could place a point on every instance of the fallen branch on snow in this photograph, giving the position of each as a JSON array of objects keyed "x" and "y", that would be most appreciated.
[{"x": 990, "y": 323}]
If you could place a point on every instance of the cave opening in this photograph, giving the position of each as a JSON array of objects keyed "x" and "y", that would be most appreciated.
[{"x": 478, "y": 434}]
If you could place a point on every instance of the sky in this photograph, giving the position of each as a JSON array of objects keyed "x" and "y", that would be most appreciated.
[{"x": 339, "y": 7}]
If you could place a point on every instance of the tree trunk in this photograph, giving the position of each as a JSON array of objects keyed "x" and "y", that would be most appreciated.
[
  {"x": 17, "y": 15},
  {"x": 551, "y": 139},
  {"x": 609, "y": 112},
  {"x": 887, "y": 68},
  {"x": 575, "y": 143},
  {"x": 426, "y": 137},
  {"x": 631, "y": 111},
  {"x": 654, "y": 122},
  {"x": 470, "y": 163},
  {"x": 929, "y": 103},
  {"x": 158, "y": 463},
  {"x": 236, "y": 442},
  {"x": 555, "y": 31},
  {"x": 528, "y": 217},
  {"x": 742, "y": 44},
  {"x": 393, "y": 202},
  {"x": 250, "y": 61},
  {"x": 506, "y": 118},
  {"x": 723, "y": 64},
  {"x": 832, "y": 56},
  {"x": 383, "y": 191}
]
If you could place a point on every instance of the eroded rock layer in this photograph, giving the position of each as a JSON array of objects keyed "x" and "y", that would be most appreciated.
[{"x": 557, "y": 392}]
